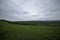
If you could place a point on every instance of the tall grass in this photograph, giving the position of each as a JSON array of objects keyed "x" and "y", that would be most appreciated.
[{"x": 26, "y": 32}]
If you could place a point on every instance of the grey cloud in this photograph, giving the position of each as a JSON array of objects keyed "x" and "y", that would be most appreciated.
[{"x": 30, "y": 9}]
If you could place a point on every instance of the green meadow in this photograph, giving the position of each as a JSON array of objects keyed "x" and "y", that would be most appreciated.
[{"x": 10, "y": 31}]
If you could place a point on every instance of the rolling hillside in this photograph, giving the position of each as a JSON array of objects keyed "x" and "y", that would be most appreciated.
[{"x": 11, "y": 31}]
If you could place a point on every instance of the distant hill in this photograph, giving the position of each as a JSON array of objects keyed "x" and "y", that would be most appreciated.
[
  {"x": 58, "y": 21},
  {"x": 33, "y": 22}
]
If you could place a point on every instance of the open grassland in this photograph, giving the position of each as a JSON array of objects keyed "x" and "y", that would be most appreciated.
[{"x": 25, "y": 32}]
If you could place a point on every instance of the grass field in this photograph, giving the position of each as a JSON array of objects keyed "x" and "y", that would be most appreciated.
[{"x": 26, "y": 32}]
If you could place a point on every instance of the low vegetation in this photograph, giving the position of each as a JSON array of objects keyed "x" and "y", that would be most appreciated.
[{"x": 26, "y": 31}]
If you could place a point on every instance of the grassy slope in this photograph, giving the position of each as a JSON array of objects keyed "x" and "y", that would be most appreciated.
[{"x": 25, "y": 32}]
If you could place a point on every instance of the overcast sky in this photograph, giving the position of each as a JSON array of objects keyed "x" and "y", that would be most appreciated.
[{"x": 26, "y": 10}]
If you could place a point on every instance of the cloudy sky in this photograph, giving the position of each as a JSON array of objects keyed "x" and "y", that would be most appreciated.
[{"x": 26, "y": 10}]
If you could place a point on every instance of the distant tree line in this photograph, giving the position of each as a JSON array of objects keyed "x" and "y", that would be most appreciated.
[{"x": 35, "y": 23}]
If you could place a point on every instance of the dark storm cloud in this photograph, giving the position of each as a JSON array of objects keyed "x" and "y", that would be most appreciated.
[{"x": 30, "y": 9}]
